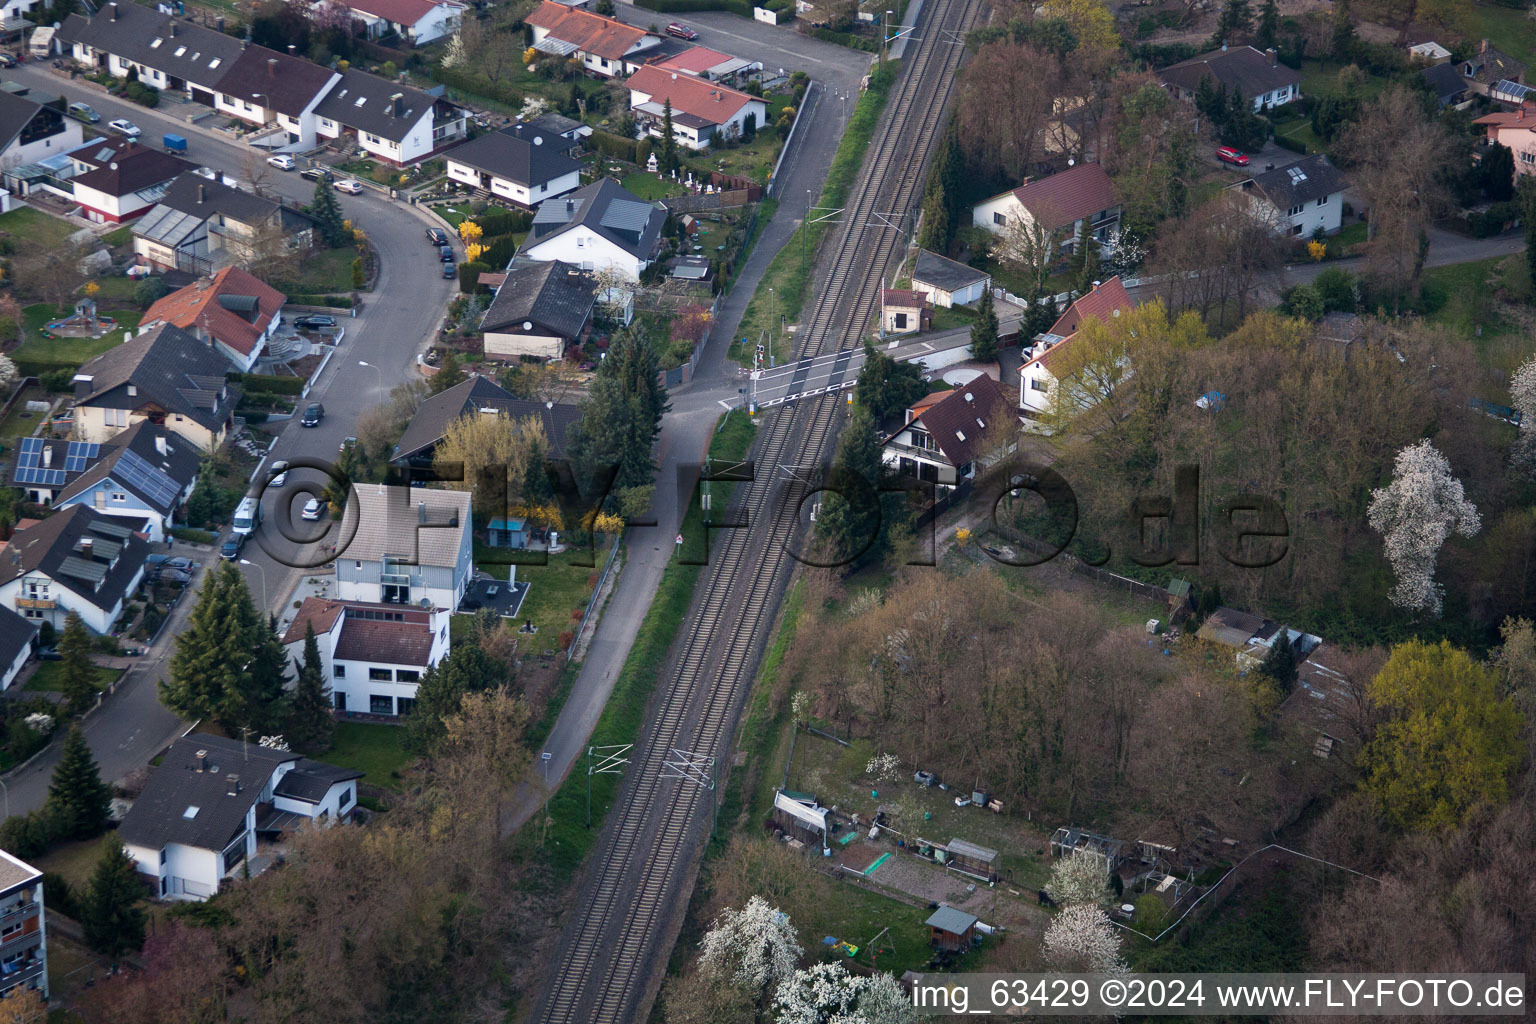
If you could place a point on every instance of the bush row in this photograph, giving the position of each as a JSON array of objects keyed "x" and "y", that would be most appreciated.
[
  {"x": 741, "y": 7},
  {"x": 613, "y": 145},
  {"x": 846, "y": 39},
  {"x": 257, "y": 383},
  {"x": 338, "y": 301}
]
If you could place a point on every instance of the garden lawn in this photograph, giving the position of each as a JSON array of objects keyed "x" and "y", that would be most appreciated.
[
  {"x": 378, "y": 751},
  {"x": 327, "y": 272},
  {"x": 1300, "y": 130},
  {"x": 555, "y": 590},
  {"x": 752, "y": 160},
  {"x": 119, "y": 236},
  {"x": 1321, "y": 78},
  {"x": 20, "y": 423},
  {"x": 652, "y": 186},
  {"x": 68, "y": 351},
  {"x": 34, "y": 227},
  {"x": 75, "y": 859},
  {"x": 50, "y": 677}
]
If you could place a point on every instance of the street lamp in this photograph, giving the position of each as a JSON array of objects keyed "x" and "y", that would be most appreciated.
[
  {"x": 805, "y": 226},
  {"x": 375, "y": 369},
  {"x": 7, "y": 797},
  {"x": 263, "y": 571}
]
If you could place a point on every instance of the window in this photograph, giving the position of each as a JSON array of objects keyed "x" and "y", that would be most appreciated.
[
  {"x": 1296, "y": 230},
  {"x": 998, "y": 218},
  {"x": 407, "y": 675},
  {"x": 544, "y": 187},
  {"x": 1296, "y": 210},
  {"x": 1323, "y": 201},
  {"x": 405, "y": 705},
  {"x": 380, "y": 675},
  {"x": 1037, "y": 384},
  {"x": 1528, "y": 158},
  {"x": 339, "y": 671},
  {"x": 581, "y": 242},
  {"x": 345, "y": 800},
  {"x": 381, "y": 704},
  {"x": 119, "y": 496},
  {"x": 341, "y": 700}
]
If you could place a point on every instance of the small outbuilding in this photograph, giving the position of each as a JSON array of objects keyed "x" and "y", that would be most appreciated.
[
  {"x": 951, "y": 929},
  {"x": 972, "y": 859},
  {"x": 948, "y": 282},
  {"x": 904, "y": 311},
  {"x": 800, "y": 816},
  {"x": 507, "y": 533}
]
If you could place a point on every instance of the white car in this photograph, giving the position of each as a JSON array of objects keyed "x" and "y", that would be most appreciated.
[
  {"x": 282, "y": 162},
  {"x": 123, "y": 126},
  {"x": 279, "y": 469},
  {"x": 311, "y": 509},
  {"x": 351, "y": 186}
]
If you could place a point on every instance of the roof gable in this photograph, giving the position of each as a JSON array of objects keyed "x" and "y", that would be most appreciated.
[
  {"x": 201, "y": 792},
  {"x": 275, "y": 80},
  {"x": 943, "y": 273},
  {"x": 1237, "y": 67},
  {"x": 96, "y": 557},
  {"x": 1296, "y": 184},
  {"x": 168, "y": 366},
  {"x": 635, "y": 227},
  {"x": 589, "y": 32},
  {"x": 549, "y": 295},
  {"x": 709, "y": 101},
  {"x": 519, "y": 153},
  {"x": 959, "y": 422},
  {"x": 232, "y": 306},
  {"x": 1063, "y": 199}
]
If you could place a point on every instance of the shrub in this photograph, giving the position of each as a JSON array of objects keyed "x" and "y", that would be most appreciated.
[
  {"x": 61, "y": 379},
  {"x": 28, "y": 835},
  {"x": 469, "y": 277},
  {"x": 149, "y": 290},
  {"x": 335, "y": 301},
  {"x": 1291, "y": 144},
  {"x": 58, "y": 896}
]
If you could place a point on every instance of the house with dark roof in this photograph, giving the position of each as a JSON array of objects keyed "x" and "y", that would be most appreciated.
[
  {"x": 948, "y": 282},
  {"x": 606, "y": 47},
  {"x": 18, "y": 639},
  {"x": 559, "y": 124},
  {"x": 118, "y": 179},
  {"x": 199, "y": 226},
  {"x": 76, "y": 560},
  {"x": 947, "y": 437},
  {"x": 1448, "y": 85},
  {"x": 33, "y": 130},
  {"x": 539, "y": 310},
  {"x": 479, "y": 396},
  {"x": 520, "y": 162},
  {"x": 1300, "y": 199},
  {"x": 601, "y": 227},
  {"x": 1039, "y": 375},
  {"x": 143, "y": 474},
  {"x": 162, "y": 50},
  {"x": 164, "y": 375},
  {"x": 231, "y": 309},
  {"x": 1488, "y": 67},
  {"x": 373, "y": 655},
  {"x": 1058, "y": 205},
  {"x": 44, "y": 466},
  {"x": 195, "y": 826},
  {"x": 1259, "y": 75},
  {"x": 702, "y": 110},
  {"x": 414, "y": 21},
  {"x": 391, "y": 121},
  {"x": 263, "y": 86}
]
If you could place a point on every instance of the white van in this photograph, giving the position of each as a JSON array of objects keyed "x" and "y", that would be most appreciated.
[{"x": 247, "y": 515}]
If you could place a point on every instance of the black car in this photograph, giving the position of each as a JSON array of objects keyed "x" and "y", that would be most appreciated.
[
  {"x": 7, "y": 60},
  {"x": 313, "y": 414},
  {"x": 315, "y": 174},
  {"x": 437, "y": 236},
  {"x": 315, "y": 321},
  {"x": 445, "y": 253},
  {"x": 231, "y": 549},
  {"x": 449, "y": 270}
]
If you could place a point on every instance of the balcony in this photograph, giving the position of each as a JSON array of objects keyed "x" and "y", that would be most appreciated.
[
  {"x": 34, "y": 602},
  {"x": 394, "y": 579},
  {"x": 26, "y": 971},
  {"x": 19, "y": 913}
]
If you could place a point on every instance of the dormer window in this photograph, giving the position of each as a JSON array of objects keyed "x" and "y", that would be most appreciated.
[
  {"x": 180, "y": 50},
  {"x": 133, "y": 390},
  {"x": 155, "y": 44}
]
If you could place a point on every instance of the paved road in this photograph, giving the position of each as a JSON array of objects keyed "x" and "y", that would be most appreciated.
[{"x": 398, "y": 320}]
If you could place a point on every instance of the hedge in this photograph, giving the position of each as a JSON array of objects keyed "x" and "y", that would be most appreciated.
[
  {"x": 847, "y": 39},
  {"x": 613, "y": 145},
  {"x": 499, "y": 251},
  {"x": 503, "y": 222},
  {"x": 469, "y": 277},
  {"x": 39, "y": 367},
  {"x": 261, "y": 383},
  {"x": 741, "y": 7},
  {"x": 337, "y": 301},
  {"x": 1290, "y": 144}
]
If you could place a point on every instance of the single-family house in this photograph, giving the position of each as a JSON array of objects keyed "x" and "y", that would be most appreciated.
[
  {"x": 1515, "y": 129},
  {"x": 414, "y": 21},
  {"x": 373, "y": 655},
  {"x": 710, "y": 65},
  {"x": 479, "y": 396},
  {"x": 904, "y": 311},
  {"x": 200, "y": 225},
  {"x": 143, "y": 474},
  {"x": 1058, "y": 205},
  {"x": 13, "y": 11},
  {"x": 232, "y": 309},
  {"x": 162, "y": 50},
  {"x": 195, "y": 825},
  {"x": 1300, "y": 199},
  {"x": 947, "y": 436},
  {"x": 1258, "y": 75},
  {"x": 948, "y": 282},
  {"x": 266, "y": 86},
  {"x": 702, "y": 110},
  {"x": 1448, "y": 85},
  {"x": 76, "y": 560},
  {"x": 1037, "y": 381},
  {"x": 410, "y": 546},
  {"x": 119, "y": 179},
  {"x": 391, "y": 122},
  {"x": 31, "y": 130},
  {"x": 18, "y": 639},
  {"x": 539, "y": 310},
  {"x": 605, "y": 46},
  {"x": 24, "y": 931},
  {"x": 600, "y": 227},
  {"x": 164, "y": 375},
  {"x": 1253, "y": 636},
  {"x": 522, "y": 163},
  {"x": 44, "y": 466},
  {"x": 1488, "y": 67}
]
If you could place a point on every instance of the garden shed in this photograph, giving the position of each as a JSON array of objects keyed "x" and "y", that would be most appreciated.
[{"x": 951, "y": 929}]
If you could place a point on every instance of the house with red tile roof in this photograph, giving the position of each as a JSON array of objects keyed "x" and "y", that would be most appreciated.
[
  {"x": 1038, "y": 380},
  {"x": 415, "y": 21},
  {"x": 903, "y": 311},
  {"x": 1515, "y": 129},
  {"x": 948, "y": 436},
  {"x": 604, "y": 46},
  {"x": 231, "y": 309},
  {"x": 372, "y": 655},
  {"x": 701, "y": 110},
  {"x": 1059, "y": 205},
  {"x": 710, "y": 65}
]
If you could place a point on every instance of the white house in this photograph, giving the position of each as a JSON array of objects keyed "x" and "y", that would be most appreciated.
[
  {"x": 601, "y": 227},
  {"x": 948, "y": 435},
  {"x": 415, "y": 21},
  {"x": 904, "y": 311},
  {"x": 1299, "y": 199},
  {"x": 31, "y": 131},
  {"x": 117, "y": 179},
  {"x": 264, "y": 86},
  {"x": 605, "y": 47},
  {"x": 1037, "y": 381},
  {"x": 520, "y": 163},
  {"x": 143, "y": 475},
  {"x": 163, "y": 51},
  {"x": 1258, "y": 75},
  {"x": 195, "y": 825},
  {"x": 73, "y": 561},
  {"x": 701, "y": 110},
  {"x": 18, "y": 638},
  {"x": 373, "y": 655},
  {"x": 1058, "y": 206},
  {"x": 947, "y": 282},
  {"x": 538, "y": 311},
  {"x": 392, "y": 122},
  {"x": 410, "y": 546}
]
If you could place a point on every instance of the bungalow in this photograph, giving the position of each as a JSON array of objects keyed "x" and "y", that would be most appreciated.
[
  {"x": 1447, "y": 83},
  {"x": 200, "y": 225},
  {"x": 231, "y": 309},
  {"x": 1037, "y": 382},
  {"x": 904, "y": 311},
  {"x": 195, "y": 825},
  {"x": 18, "y": 639},
  {"x": 392, "y": 122},
  {"x": 947, "y": 434},
  {"x": 601, "y": 227},
  {"x": 539, "y": 310},
  {"x": 710, "y": 65},
  {"x": 144, "y": 474},
  {"x": 161, "y": 50},
  {"x": 410, "y": 546},
  {"x": 605, "y": 46},
  {"x": 520, "y": 163},
  {"x": 1060, "y": 205},
  {"x": 947, "y": 282},
  {"x": 1259, "y": 76},
  {"x": 166, "y": 376},
  {"x": 478, "y": 396},
  {"x": 373, "y": 655},
  {"x": 1300, "y": 199},
  {"x": 32, "y": 130},
  {"x": 1515, "y": 129},
  {"x": 701, "y": 110},
  {"x": 118, "y": 179},
  {"x": 414, "y": 21},
  {"x": 264, "y": 86},
  {"x": 73, "y": 561},
  {"x": 1486, "y": 69}
]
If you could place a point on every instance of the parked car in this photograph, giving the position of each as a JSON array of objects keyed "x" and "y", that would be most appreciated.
[
  {"x": 681, "y": 31},
  {"x": 279, "y": 471},
  {"x": 171, "y": 576},
  {"x": 449, "y": 270},
  {"x": 1228, "y": 155},
  {"x": 83, "y": 112},
  {"x": 283, "y": 162},
  {"x": 231, "y": 547},
  {"x": 315, "y": 174},
  {"x": 49, "y": 654},
  {"x": 437, "y": 236},
  {"x": 346, "y": 442},
  {"x": 314, "y": 412},
  {"x": 351, "y": 186},
  {"x": 445, "y": 253},
  {"x": 123, "y": 126},
  {"x": 311, "y": 509},
  {"x": 171, "y": 562},
  {"x": 315, "y": 321},
  {"x": 8, "y": 60}
]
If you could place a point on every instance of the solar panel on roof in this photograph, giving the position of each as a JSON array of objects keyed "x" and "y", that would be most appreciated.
[
  {"x": 29, "y": 465},
  {"x": 145, "y": 479},
  {"x": 626, "y": 215},
  {"x": 111, "y": 530},
  {"x": 79, "y": 455}
]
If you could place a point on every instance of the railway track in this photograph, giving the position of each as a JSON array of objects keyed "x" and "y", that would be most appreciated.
[{"x": 616, "y": 947}]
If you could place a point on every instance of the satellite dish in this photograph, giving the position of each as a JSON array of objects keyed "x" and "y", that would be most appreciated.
[
  {"x": 527, "y": 325},
  {"x": 538, "y": 140},
  {"x": 674, "y": 76},
  {"x": 112, "y": 165},
  {"x": 1072, "y": 161},
  {"x": 425, "y": 602}
]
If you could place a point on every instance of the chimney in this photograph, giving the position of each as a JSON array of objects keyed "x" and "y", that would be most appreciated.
[
  {"x": 291, "y": 48},
  {"x": 271, "y": 71},
  {"x": 570, "y": 205},
  {"x": 113, "y": 6},
  {"x": 47, "y": 456},
  {"x": 1482, "y": 47},
  {"x": 174, "y": 30},
  {"x": 82, "y": 384},
  {"x": 219, "y": 23},
  {"x": 202, "y": 760},
  {"x": 397, "y": 105},
  {"x": 1274, "y": 58},
  {"x": 87, "y": 546},
  {"x": 421, "y": 513},
  {"x": 161, "y": 446},
  {"x": 202, "y": 192},
  {"x": 234, "y": 785}
]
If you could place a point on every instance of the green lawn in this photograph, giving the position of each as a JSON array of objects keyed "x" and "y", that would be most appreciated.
[
  {"x": 1321, "y": 78},
  {"x": 1510, "y": 29},
  {"x": 555, "y": 590},
  {"x": 326, "y": 272},
  {"x": 35, "y": 227},
  {"x": 378, "y": 751},
  {"x": 651, "y": 186},
  {"x": 119, "y": 236},
  {"x": 115, "y": 290},
  {"x": 75, "y": 859},
  {"x": 1300, "y": 130},
  {"x": 954, "y": 316},
  {"x": 1352, "y": 234},
  {"x": 68, "y": 351},
  {"x": 452, "y": 214},
  {"x": 20, "y": 423},
  {"x": 50, "y": 677}
]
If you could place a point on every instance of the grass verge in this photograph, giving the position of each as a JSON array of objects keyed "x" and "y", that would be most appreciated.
[{"x": 49, "y": 677}]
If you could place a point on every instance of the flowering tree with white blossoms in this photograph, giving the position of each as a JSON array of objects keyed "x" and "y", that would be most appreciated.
[
  {"x": 755, "y": 947},
  {"x": 1522, "y": 391},
  {"x": 827, "y": 994},
  {"x": 1079, "y": 877},
  {"x": 800, "y": 707},
  {"x": 1415, "y": 514},
  {"x": 1081, "y": 939},
  {"x": 273, "y": 742},
  {"x": 884, "y": 767}
]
